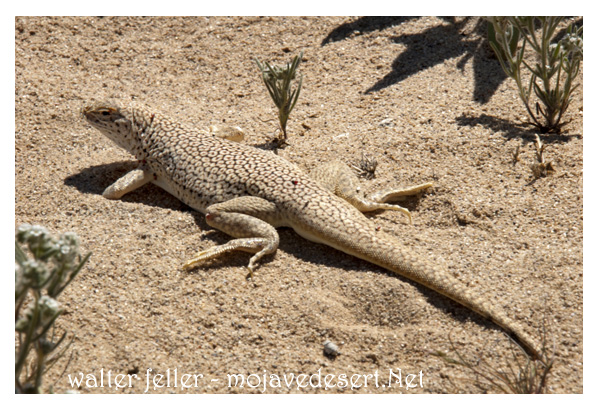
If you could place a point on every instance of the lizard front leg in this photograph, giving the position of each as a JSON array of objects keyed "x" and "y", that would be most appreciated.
[
  {"x": 233, "y": 133},
  {"x": 249, "y": 219},
  {"x": 129, "y": 182}
]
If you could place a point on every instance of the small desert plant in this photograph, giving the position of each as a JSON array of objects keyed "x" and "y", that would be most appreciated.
[
  {"x": 522, "y": 374},
  {"x": 278, "y": 82},
  {"x": 551, "y": 76},
  {"x": 41, "y": 274},
  {"x": 541, "y": 167},
  {"x": 366, "y": 167}
]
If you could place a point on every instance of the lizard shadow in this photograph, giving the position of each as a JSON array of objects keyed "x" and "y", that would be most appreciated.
[
  {"x": 323, "y": 255},
  {"x": 94, "y": 179},
  {"x": 320, "y": 255}
]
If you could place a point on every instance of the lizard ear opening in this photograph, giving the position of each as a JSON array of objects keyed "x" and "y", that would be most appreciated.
[{"x": 123, "y": 123}]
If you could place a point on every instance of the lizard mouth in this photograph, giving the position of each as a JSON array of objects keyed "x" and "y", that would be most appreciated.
[{"x": 85, "y": 111}]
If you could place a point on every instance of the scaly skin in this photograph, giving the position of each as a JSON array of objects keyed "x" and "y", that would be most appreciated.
[{"x": 246, "y": 193}]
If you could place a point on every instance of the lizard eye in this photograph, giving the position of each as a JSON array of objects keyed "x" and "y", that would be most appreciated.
[{"x": 105, "y": 112}]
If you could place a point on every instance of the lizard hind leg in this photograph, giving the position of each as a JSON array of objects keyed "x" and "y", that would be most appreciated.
[
  {"x": 246, "y": 219},
  {"x": 337, "y": 177},
  {"x": 380, "y": 200}
]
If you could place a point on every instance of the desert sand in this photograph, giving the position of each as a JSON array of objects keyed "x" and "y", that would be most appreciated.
[{"x": 424, "y": 96}]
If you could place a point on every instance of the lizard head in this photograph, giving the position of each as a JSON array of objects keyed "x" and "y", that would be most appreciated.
[{"x": 114, "y": 122}]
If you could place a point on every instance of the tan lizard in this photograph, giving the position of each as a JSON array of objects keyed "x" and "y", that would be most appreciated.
[{"x": 247, "y": 192}]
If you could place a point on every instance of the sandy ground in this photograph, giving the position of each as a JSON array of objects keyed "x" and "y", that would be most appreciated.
[{"x": 422, "y": 95}]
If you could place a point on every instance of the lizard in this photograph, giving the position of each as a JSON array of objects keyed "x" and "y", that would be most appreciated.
[{"x": 247, "y": 193}]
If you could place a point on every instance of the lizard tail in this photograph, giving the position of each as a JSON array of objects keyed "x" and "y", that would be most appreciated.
[{"x": 385, "y": 251}]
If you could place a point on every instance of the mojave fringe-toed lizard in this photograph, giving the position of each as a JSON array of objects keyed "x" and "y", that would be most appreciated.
[{"x": 247, "y": 192}]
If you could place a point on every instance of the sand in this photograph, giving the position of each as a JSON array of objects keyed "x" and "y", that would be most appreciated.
[{"x": 424, "y": 96}]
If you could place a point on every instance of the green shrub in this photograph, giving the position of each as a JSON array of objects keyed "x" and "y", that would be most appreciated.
[
  {"x": 278, "y": 82},
  {"x": 45, "y": 266},
  {"x": 553, "y": 73}
]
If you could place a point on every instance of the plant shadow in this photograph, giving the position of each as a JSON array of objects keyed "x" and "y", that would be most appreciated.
[
  {"x": 363, "y": 25},
  {"x": 434, "y": 46},
  {"x": 512, "y": 130}
]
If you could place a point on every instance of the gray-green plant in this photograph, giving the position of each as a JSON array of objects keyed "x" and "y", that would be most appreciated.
[
  {"x": 45, "y": 266},
  {"x": 520, "y": 375},
  {"x": 553, "y": 72},
  {"x": 278, "y": 83}
]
